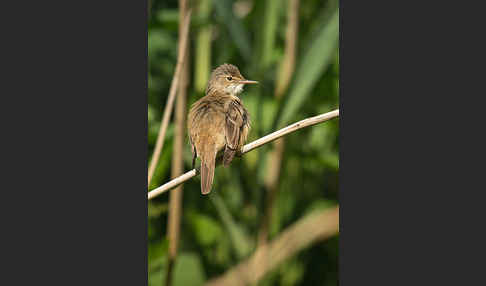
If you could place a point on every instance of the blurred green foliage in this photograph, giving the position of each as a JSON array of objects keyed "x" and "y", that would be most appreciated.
[{"x": 220, "y": 230}]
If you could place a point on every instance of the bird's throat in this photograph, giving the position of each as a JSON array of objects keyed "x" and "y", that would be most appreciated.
[{"x": 234, "y": 89}]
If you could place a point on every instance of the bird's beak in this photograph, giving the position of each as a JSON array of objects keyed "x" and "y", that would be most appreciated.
[{"x": 245, "y": 81}]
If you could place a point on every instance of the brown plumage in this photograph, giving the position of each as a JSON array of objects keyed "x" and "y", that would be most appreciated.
[{"x": 218, "y": 121}]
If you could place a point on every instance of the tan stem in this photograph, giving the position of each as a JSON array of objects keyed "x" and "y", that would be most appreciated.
[
  {"x": 288, "y": 61},
  {"x": 183, "y": 39},
  {"x": 248, "y": 147},
  {"x": 308, "y": 230},
  {"x": 175, "y": 197}
]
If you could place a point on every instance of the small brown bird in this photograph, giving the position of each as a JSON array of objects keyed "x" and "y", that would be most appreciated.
[{"x": 218, "y": 121}]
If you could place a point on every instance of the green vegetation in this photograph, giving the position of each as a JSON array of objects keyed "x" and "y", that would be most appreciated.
[{"x": 220, "y": 230}]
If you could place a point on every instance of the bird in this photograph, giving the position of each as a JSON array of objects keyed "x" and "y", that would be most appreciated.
[{"x": 218, "y": 122}]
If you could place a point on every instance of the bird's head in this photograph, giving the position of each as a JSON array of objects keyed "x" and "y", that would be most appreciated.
[{"x": 228, "y": 79}]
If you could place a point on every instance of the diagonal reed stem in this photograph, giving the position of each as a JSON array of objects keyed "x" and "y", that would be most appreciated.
[
  {"x": 314, "y": 227},
  {"x": 248, "y": 147},
  {"x": 172, "y": 94}
]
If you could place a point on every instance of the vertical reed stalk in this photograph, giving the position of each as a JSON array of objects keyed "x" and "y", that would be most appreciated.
[
  {"x": 183, "y": 42},
  {"x": 175, "y": 198}
]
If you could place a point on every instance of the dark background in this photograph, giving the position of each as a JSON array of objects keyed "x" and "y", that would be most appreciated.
[{"x": 74, "y": 152}]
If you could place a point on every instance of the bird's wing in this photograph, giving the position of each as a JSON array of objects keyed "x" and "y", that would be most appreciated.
[{"x": 233, "y": 125}]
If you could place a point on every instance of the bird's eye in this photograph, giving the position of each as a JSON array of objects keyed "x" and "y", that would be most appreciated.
[{"x": 229, "y": 78}]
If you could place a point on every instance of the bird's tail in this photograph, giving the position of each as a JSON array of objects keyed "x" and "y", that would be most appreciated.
[{"x": 207, "y": 171}]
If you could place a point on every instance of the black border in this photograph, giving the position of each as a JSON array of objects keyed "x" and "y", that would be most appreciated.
[
  {"x": 406, "y": 121},
  {"x": 75, "y": 172},
  {"x": 77, "y": 76}
]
